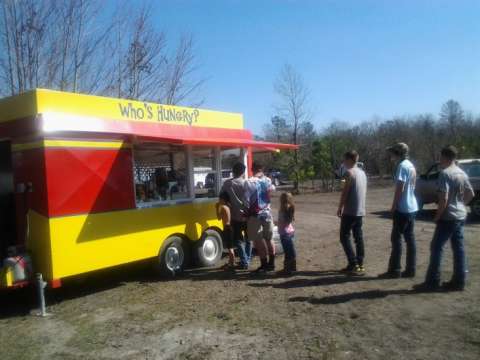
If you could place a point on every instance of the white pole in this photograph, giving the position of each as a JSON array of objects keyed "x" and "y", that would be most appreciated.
[
  {"x": 218, "y": 169},
  {"x": 41, "y": 295},
  {"x": 190, "y": 173}
]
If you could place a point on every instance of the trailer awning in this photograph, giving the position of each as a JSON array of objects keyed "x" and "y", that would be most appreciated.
[
  {"x": 254, "y": 144},
  {"x": 187, "y": 135}
]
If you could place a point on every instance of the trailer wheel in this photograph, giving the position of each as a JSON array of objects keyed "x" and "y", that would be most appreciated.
[
  {"x": 209, "y": 248},
  {"x": 173, "y": 256}
]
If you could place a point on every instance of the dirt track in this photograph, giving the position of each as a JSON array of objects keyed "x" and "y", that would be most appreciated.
[{"x": 209, "y": 314}]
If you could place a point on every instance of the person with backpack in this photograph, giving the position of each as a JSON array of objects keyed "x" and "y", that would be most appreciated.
[{"x": 260, "y": 221}]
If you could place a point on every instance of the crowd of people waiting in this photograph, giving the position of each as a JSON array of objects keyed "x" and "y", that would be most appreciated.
[{"x": 244, "y": 208}]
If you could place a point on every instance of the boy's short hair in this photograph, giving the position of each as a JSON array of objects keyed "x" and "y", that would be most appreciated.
[
  {"x": 400, "y": 149},
  {"x": 449, "y": 152},
  {"x": 224, "y": 196},
  {"x": 256, "y": 167},
  {"x": 238, "y": 169},
  {"x": 351, "y": 155}
]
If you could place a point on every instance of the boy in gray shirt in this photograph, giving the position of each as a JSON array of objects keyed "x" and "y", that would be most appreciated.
[
  {"x": 351, "y": 210},
  {"x": 235, "y": 188},
  {"x": 454, "y": 192}
]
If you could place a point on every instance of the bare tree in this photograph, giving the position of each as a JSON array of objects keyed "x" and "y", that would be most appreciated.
[
  {"x": 294, "y": 96},
  {"x": 23, "y": 41},
  {"x": 63, "y": 44},
  {"x": 277, "y": 130},
  {"x": 452, "y": 116},
  {"x": 180, "y": 73}
]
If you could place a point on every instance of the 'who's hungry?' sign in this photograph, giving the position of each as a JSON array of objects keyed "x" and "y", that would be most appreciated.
[{"x": 159, "y": 113}]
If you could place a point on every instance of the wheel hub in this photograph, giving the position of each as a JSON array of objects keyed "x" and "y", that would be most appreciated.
[
  {"x": 174, "y": 258},
  {"x": 210, "y": 249}
]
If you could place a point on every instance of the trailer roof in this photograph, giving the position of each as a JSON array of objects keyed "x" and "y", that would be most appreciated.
[
  {"x": 49, "y": 111},
  {"x": 41, "y": 101}
]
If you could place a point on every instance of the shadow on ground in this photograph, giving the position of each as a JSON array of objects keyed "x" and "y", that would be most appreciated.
[
  {"x": 21, "y": 302},
  {"x": 321, "y": 281},
  {"x": 425, "y": 215},
  {"x": 344, "y": 298}
]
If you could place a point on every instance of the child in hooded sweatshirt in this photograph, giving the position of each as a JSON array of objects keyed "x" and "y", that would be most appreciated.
[{"x": 286, "y": 217}]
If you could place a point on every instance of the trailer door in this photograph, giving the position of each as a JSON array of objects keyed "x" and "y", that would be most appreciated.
[{"x": 7, "y": 200}]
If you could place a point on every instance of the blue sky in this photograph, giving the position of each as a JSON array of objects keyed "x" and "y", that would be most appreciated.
[{"x": 360, "y": 58}]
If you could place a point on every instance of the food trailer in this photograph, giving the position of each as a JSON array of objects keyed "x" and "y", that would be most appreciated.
[{"x": 92, "y": 182}]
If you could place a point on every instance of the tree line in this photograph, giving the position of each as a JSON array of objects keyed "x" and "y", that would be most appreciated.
[
  {"x": 86, "y": 46},
  {"x": 321, "y": 151}
]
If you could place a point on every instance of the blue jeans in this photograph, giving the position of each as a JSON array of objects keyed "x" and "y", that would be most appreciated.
[
  {"x": 444, "y": 231},
  {"x": 403, "y": 224},
  {"x": 352, "y": 224},
  {"x": 243, "y": 245},
  {"x": 288, "y": 246}
]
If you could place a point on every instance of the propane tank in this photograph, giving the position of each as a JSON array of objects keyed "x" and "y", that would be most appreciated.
[{"x": 20, "y": 266}]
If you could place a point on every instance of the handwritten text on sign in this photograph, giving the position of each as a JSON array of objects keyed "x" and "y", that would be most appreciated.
[{"x": 159, "y": 113}]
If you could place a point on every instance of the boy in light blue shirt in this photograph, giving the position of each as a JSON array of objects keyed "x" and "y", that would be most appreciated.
[
  {"x": 406, "y": 176},
  {"x": 404, "y": 209}
]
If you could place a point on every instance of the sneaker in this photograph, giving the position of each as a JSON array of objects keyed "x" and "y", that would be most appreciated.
[
  {"x": 242, "y": 266},
  {"x": 359, "y": 270},
  {"x": 426, "y": 287},
  {"x": 261, "y": 270},
  {"x": 270, "y": 267},
  {"x": 408, "y": 274},
  {"x": 228, "y": 267},
  {"x": 348, "y": 269},
  {"x": 285, "y": 272},
  {"x": 390, "y": 275},
  {"x": 452, "y": 286}
]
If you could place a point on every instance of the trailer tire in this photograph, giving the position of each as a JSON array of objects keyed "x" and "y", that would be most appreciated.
[
  {"x": 173, "y": 256},
  {"x": 209, "y": 248}
]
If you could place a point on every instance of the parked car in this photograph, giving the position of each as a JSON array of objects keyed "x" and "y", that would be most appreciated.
[
  {"x": 426, "y": 186},
  {"x": 210, "y": 178},
  {"x": 278, "y": 177}
]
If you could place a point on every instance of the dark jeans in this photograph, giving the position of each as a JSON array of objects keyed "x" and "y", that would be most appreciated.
[
  {"x": 288, "y": 246},
  {"x": 403, "y": 224},
  {"x": 445, "y": 230},
  {"x": 352, "y": 224},
  {"x": 244, "y": 246}
]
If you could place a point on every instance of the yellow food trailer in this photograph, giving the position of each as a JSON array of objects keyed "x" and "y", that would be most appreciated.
[{"x": 91, "y": 182}]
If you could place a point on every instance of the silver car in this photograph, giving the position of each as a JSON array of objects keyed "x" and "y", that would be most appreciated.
[{"x": 426, "y": 187}]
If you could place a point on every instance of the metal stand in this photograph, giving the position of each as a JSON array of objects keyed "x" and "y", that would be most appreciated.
[{"x": 41, "y": 295}]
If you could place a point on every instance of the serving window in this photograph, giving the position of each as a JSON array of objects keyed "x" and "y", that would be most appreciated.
[
  {"x": 205, "y": 172},
  {"x": 160, "y": 173},
  {"x": 229, "y": 157},
  {"x": 167, "y": 173}
]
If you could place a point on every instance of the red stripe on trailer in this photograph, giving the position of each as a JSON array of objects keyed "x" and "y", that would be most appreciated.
[
  {"x": 89, "y": 180},
  {"x": 240, "y": 142}
]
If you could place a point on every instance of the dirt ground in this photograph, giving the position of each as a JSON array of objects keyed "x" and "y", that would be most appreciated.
[{"x": 128, "y": 313}]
